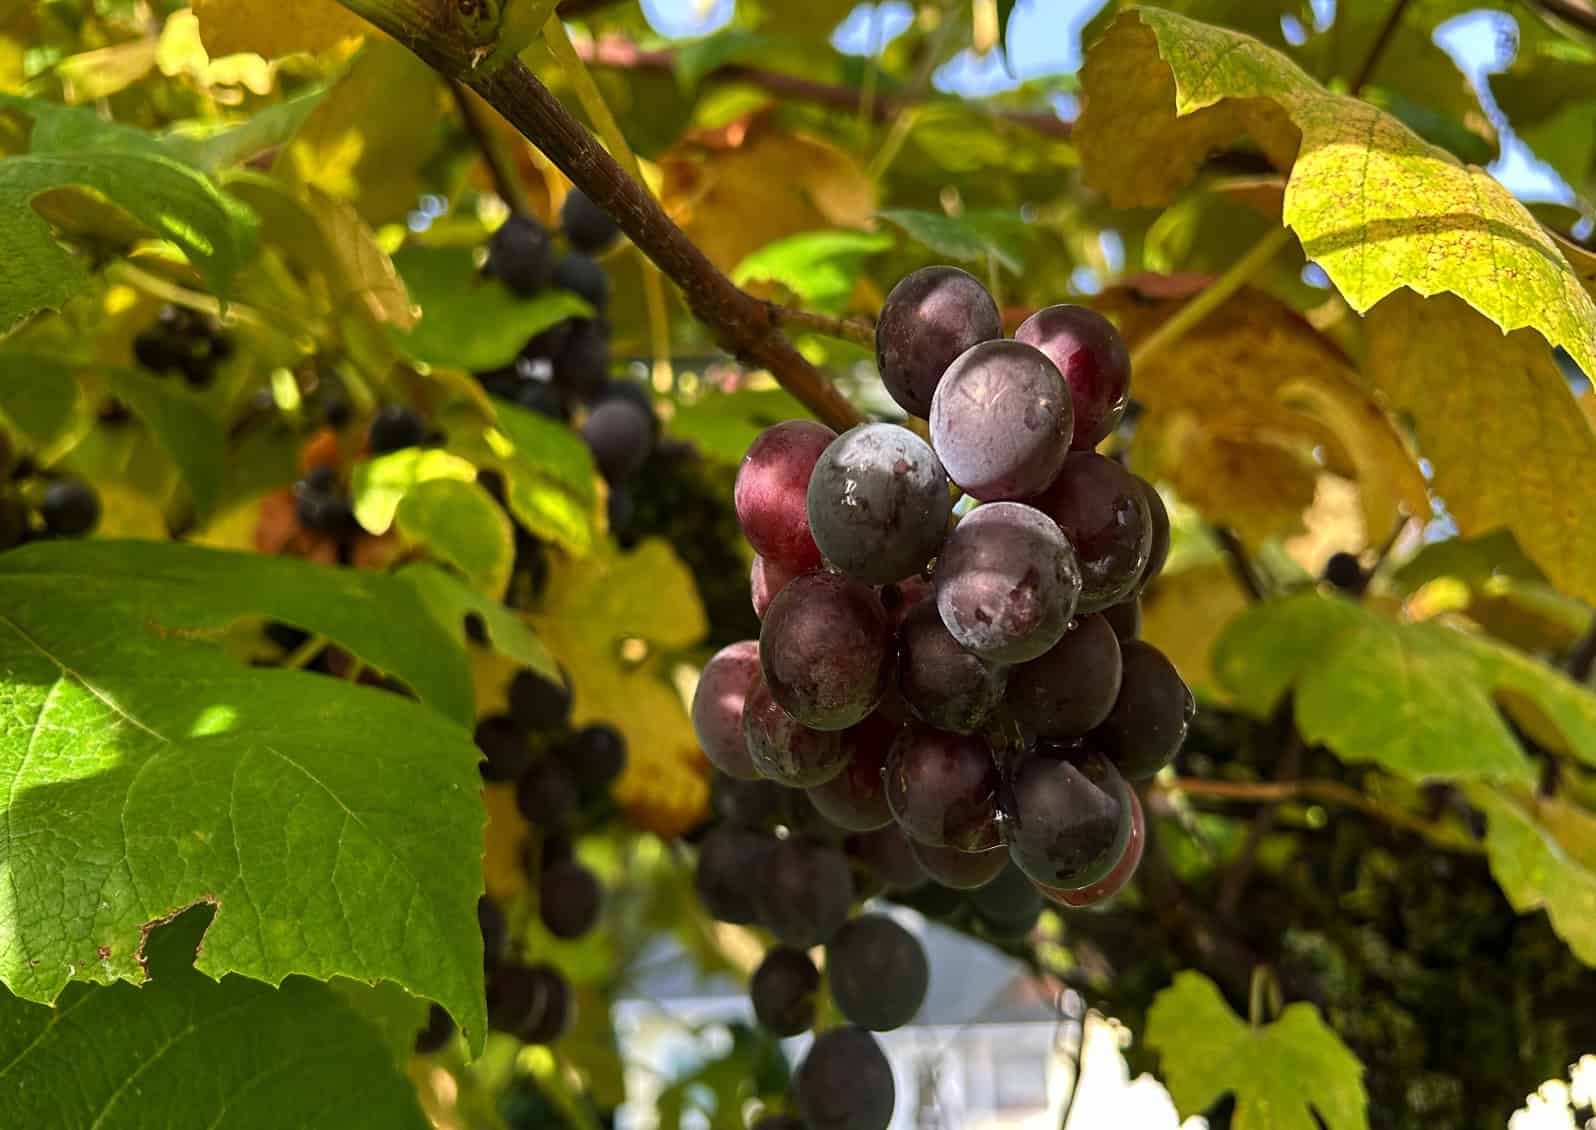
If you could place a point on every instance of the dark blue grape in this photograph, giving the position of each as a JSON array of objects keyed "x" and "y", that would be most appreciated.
[
  {"x": 1148, "y": 723},
  {"x": 931, "y": 317},
  {"x": 877, "y": 972},
  {"x": 1070, "y": 689},
  {"x": 944, "y": 685},
  {"x": 845, "y": 1083}
]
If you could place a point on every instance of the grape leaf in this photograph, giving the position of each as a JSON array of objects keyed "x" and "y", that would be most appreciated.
[
  {"x": 591, "y": 608},
  {"x": 335, "y": 827},
  {"x": 379, "y": 485},
  {"x": 37, "y": 395},
  {"x": 170, "y": 199},
  {"x": 724, "y": 424},
  {"x": 449, "y": 600},
  {"x": 819, "y": 267},
  {"x": 954, "y": 238},
  {"x": 1374, "y": 205},
  {"x": 461, "y": 524},
  {"x": 275, "y": 27},
  {"x": 1542, "y": 852},
  {"x": 1419, "y": 699},
  {"x": 1547, "y": 96},
  {"x": 1449, "y": 369},
  {"x": 1281, "y": 1074},
  {"x": 184, "y": 426},
  {"x": 469, "y": 321},
  {"x": 1183, "y": 615},
  {"x": 550, "y": 476},
  {"x": 185, "y": 1050}
]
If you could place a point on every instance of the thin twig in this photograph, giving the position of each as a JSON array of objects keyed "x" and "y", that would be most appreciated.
[
  {"x": 1326, "y": 792},
  {"x": 1580, "y": 13},
  {"x": 1583, "y": 657},
  {"x": 506, "y": 181},
  {"x": 882, "y": 108},
  {"x": 443, "y": 37},
  {"x": 856, "y": 330},
  {"x": 1382, "y": 555},
  {"x": 1382, "y": 40},
  {"x": 1240, "y": 563}
]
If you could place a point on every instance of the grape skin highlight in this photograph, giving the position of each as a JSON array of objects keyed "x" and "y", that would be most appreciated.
[{"x": 771, "y": 492}]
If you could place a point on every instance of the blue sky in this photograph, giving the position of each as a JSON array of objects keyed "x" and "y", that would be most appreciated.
[{"x": 1044, "y": 39}]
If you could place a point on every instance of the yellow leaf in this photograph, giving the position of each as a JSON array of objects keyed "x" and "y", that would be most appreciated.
[
  {"x": 756, "y": 185},
  {"x": 373, "y": 160},
  {"x": 100, "y": 74},
  {"x": 182, "y": 52},
  {"x": 1376, "y": 206},
  {"x": 1495, "y": 417},
  {"x": 610, "y": 619},
  {"x": 1184, "y": 613},
  {"x": 1254, "y": 378},
  {"x": 275, "y": 27}
]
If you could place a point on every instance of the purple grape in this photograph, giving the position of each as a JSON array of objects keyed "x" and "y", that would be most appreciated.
[
  {"x": 620, "y": 434},
  {"x": 766, "y": 578},
  {"x": 1069, "y": 819},
  {"x": 783, "y": 990},
  {"x": 930, "y": 318},
  {"x": 1091, "y": 355},
  {"x": 879, "y": 503},
  {"x": 723, "y": 687},
  {"x": 1071, "y": 689},
  {"x": 961, "y": 870},
  {"x": 1007, "y": 582},
  {"x": 856, "y": 798},
  {"x": 1125, "y": 618},
  {"x": 877, "y": 972},
  {"x": 845, "y": 1083},
  {"x": 1149, "y": 721},
  {"x": 803, "y": 891},
  {"x": 569, "y": 899},
  {"x": 1102, "y": 509},
  {"x": 889, "y": 856},
  {"x": 943, "y": 787},
  {"x": 771, "y": 492},
  {"x": 727, "y": 877},
  {"x": 826, "y": 650},
  {"x": 1158, "y": 552},
  {"x": 1001, "y": 421},
  {"x": 1009, "y": 905},
  {"x": 784, "y": 750},
  {"x": 944, "y": 685}
]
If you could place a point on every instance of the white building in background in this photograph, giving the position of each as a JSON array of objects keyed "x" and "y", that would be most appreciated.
[{"x": 989, "y": 1050}]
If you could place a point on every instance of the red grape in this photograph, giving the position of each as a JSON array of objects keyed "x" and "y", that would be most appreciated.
[
  {"x": 889, "y": 855},
  {"x": 1068, "y": 819},
  {"x": 856, "y": 798},
  {"x": 1103, "y": 511},
  {"x": 771, "y": 492},
  {"x": 1125, "y": 618},
  {"x": 928, "y": 319},
  {"x": 1007, "y": 582},
  {"x": 878, "y": 503},
  {"x": 766, "y": 578},
  {"x": 1158, "y": 552},
  {"x": 1071, "y": 689},
  {"x": 1151, "y": 716},
  {"x": 942, "y": 788},
  {"x": 783, "y": 749},
  {"x": 961, "y": 870},
  {"x": 826, "y": 650},
  {"x": 1112, "y": 883},
  {"x": 717, "y": 712},
  {"x": 1092, "y": 357},
  {"x": 803, "y": 890},
  {"x": 1001, "y": 421},
  {"x": 944, "y": 685}
]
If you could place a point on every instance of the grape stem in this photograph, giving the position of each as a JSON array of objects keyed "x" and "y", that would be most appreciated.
[
  {"x": 856, "y": 330},
  {"x": 1326, "y": 792},
  {"x": 439, "y": 35},
  {"x": 501, "y": 165},
  {"x": 1210, "y": 298}
]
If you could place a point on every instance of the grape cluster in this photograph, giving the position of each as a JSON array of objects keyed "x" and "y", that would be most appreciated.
[
  {"x": 980, "y": 684},
  {"x": 37, "y": 505},
  {"x": 183, "y": 342},
  {"x": 564, "y": 371}
]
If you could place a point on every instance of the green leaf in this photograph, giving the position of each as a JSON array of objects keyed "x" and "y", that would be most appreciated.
[
  {"x": 460, "y": 523},
  {"x": 956, "y": 238},
  {"x": 1542, "y": 852},
  {"x": 1374, "y": 205},
  {"x": 449, "y": 600},
  {"x": 186, "y": 1050},
  {"x": 1281, "y": 1074},
  {"x": 1449, "y": 369},
  {"x": 168, "y": 198},
  {"x": 379, "y": 485},
  {"x": 724, "y": 424},
  {"x": 550, "y": 476},
  {"x": 468, "y": 321},
  {"x": 819, "y": 267},
  {"x": 1419, "y": 699},
  {"x": 335, "y": 827},
  {"x": 264, "y": 130},
  {"x": 37, "y": 395},
  {"x": 184, "y": 426}
]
